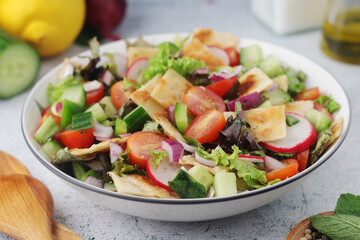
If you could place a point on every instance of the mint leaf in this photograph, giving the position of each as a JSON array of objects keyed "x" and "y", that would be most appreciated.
[
  {"x": 348, "y": 204},
  {"x": 338, "y": 226}
]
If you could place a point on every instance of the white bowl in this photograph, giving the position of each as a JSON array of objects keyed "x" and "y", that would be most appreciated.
[{"x": 189, "y": 209}]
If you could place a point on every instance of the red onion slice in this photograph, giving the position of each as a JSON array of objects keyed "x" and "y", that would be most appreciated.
[
  {"x": 274, "y": 86},
  {"x": 102, "y": 132},
  {"x": 272, "y": 163},
  {"x": 174, "y": 149},
  {"x": 171, "y": 111},
  {"x": 207, "y": 162},
  {"x": 201, "y": 71},
  {"x": 186, "y": 146},
  {"x": 59, "y": 107},
  {"x": 220, "y": 53},
  {"x": 107, "y": 77},
  {"x": 224, "y": 74},
  {"x": 248, "y": 101},
  {"x": 92, "y": 85},
  {"x": 115, "y": 150},
  {"x": 94, "y": 181}
]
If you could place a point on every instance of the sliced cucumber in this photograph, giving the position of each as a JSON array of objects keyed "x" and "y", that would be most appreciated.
[
  {"x": 79, "y": 169},
  {"x": 75, "y": 93},
  {"x": 50, "y": 147},
  {"x": 46, "y": 130},
  {"x": 82, "y": 121},
  {"x": 277, "y": 97},
  {"x": 225, "y": 184},
  {"x": 290, "y": 120},
  {"x": 136, "y": 119},
  {"x": 265, "y": 104},
  {"x": 120, "y": 127},
  {"x": 201, "y": 175},
  {"x": 250, "y": 56},
  {"x": 271, "y": 66},
  {"x": 109, "y": 106},
  {"x": 19, "y": 66},
  {"x": 181, "y": 117},
  {"x": 69, "y": 109},
  {"x": 98, "y": 113},
  {"x": 319, "y": 120}
]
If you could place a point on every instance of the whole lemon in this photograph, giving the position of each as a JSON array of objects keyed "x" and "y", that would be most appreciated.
[{"x": 50, "y": 26}]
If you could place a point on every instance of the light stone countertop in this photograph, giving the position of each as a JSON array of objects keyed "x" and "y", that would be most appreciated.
[{"x": 318, "y": 193}]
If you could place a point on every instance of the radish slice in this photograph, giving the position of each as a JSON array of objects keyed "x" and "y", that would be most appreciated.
[
  {"x": 272, "y": 164},
  {"x": 174, "y": 149},
  {"x": 107, "y": 77},
  {"x": 163, "y": 173},
  {"x": 298, "y": 137},
  {"x": 92, "y": 85},
  {"x": 186, "y": 146},
  {"x": 136, "y": 68},
  {"x": 171, "y": 111},
  {"x": 115, "y": 150},
  {"x": 206, "y": 162},
  {"x": 201, "y": 71},
  {"x": 102, "y": 132},
  {"x": 220, "y": 53},
  {"x": 248, "y": 101},
  {"x": 254, "y": 159},
  {"x": 121, "y": 64},
  {"x": 225, "y": 74},
  {"x": 94, "y": 181}
]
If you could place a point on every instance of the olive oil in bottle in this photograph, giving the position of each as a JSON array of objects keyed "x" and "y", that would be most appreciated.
[{"x": 341, "y": 37}]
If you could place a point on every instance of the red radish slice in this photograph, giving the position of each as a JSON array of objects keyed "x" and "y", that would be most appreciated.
[
  {"x": 92, "y": 85},
  {"x": 298, "y": 137},
  {"x": 174, "y": 148},
  {"x": 272, "y": 163},
  {"x": 254, "y": 159},
  {"x": 163, "y": 173},
  {"x": 171, "y": 111},
  {"x": 115, "y": 150},
  {"x": 124, "y": 135},
  {"x": 206, "y": 162},
  {"x": 94, "y": 181},
  {"x": 220, "y": 53},
  {"x": 136, "y": 67},
  {"x": 107, "y": 77},
  {"x": 121, "y": 63},
  {"x": 201, "y": 71}
]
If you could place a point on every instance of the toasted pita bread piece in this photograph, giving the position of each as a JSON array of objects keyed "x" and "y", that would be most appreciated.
[
  {"x": 300, "y": 107},
  {"x": 140, "y": 186},
  {"x": 190, "y": 160},
  {"x": 283, "y": 82},
  {"x": 195, "y": 49},
  {"x": 169, "y": 129},
  {"x": 336, "y": 129},
  {"x": 254, "y": 80},
  {"x": 170, "y": 89},
  {"x": 90, "y": 153},
  {"x": 215, "y": 38},
  {"x": 135, "y": 53}
]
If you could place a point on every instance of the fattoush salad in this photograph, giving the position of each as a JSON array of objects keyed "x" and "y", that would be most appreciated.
[{"x": 198, "y": 117}]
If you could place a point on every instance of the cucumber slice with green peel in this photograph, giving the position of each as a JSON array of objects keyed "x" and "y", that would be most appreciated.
[
  {"x": 181, "y": 117},
  {"x": 265, "y": 104},
  {"x": 225, "y": 184},
  {"x": 19, "y": 66},
  {"x": 277, "y": 97},
  {"x": 75, "y": 93},
  {"x": 319, "y": 120},
  {"x": 290, "y": 121},
  {"x": 201, "y": 175},
  {"x": 46, "y": 130},
  {"x": 98, "y": 113},
  {"x": 79, "y": 169},
  {"x": 136, "y": 119},
  {"x": 50, "y": 147},
  {"x": 250, "y": 56},
  {"x": 271, "y": 66},
  {"x": 109, "y": 106},
  {"x": 120, "y": 127},
  {"x": 82, "y": 121},
  {"x": 69, "y": 109}
]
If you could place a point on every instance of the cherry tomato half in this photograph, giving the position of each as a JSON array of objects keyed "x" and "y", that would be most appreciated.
[
  {"x": 302, "y": 158},
  {"x": 205, "y": 127},
  {"x": 289, "y": 170},
  {"x": 223, "y": 86},
  {"x": 119, "y": 96},
  {"x": 308, "y": 94},
  {"x": 95, "y": 95},
  {"x": 139, "y": 145},
  {"x": 56, "y": 118},
  {"x": 233, "y": 55},
  {"x": 200, "y": 99},
  {"x": 77, "y": 138}
]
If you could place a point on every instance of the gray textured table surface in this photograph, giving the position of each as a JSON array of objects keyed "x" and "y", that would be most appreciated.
[{"x": 318, "y": 193}]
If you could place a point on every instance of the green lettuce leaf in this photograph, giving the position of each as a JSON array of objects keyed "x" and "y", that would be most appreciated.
[
  {"x": 320, "y": 146},
  {"x": 330, "y": 104},
  {"x": 122, "y": 166},
  {"x": 295, "y": 83},
  {"x": 63, "y": 156},
  {"x": 157, "y": 156}
]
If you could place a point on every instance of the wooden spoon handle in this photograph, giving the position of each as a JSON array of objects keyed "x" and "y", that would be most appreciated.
[
  {"x": 61, "y": 232},
  {"x": 10, "y": 165}
]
